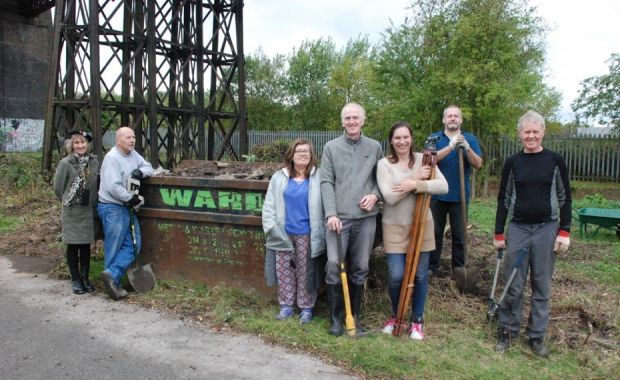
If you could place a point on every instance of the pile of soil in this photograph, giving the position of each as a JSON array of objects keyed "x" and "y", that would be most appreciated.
[{"x": 249, "y": 171}]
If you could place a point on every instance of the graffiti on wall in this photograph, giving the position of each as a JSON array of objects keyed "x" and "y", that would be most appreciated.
[
  {"x": 21, "y": 135},
  {"x": 225, "y": 201}
]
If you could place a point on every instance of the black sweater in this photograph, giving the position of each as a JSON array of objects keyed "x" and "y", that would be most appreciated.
[{"x": 534, "y": 189}]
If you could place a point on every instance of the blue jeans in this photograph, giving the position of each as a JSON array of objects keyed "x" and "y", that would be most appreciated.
[
  {"x": 396, "y": 269},
  {"x": 440, "y": 210},
  {"x": 118, "y": 245}
]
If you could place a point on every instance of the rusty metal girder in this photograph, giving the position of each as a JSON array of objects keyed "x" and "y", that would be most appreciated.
[{"x": 173, "y": 70}]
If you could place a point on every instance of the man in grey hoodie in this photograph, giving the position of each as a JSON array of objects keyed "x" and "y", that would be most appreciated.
[{"x": 350, "y": 195}]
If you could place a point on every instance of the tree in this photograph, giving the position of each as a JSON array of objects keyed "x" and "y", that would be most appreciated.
[
  {"x": 487, "y": 56},
  {"x": 600, "y": 96},
  {"x": 266, "y": 92},
  {"x": 309, "y": 72},
  {"x": 351, "y": 76}
]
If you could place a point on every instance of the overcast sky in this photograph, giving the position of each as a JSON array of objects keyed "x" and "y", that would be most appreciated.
[{"x": 583, "y": 34}]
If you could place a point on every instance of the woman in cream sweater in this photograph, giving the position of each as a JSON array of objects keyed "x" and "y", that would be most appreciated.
[{"x": 400, "y": 176}]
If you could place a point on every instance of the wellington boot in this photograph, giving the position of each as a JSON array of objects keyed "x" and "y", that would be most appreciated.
[
  {"x": 88, "y": 287},
  {"x": 72, "y": 264},
  {"x": 336, "y": 305},
  {"x": 357, "y": 295},
  {"x": 78, "y": 287}
]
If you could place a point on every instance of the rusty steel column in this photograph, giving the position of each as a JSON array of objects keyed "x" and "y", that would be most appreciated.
[
  {"x": 200, "y": 97},
  {"x": 243, "y": 133},
  {"x": 152, "y": 82},
  {"x": 95, "y": 77},
  {"x": 52, "y": 78},
  {"x": 213, "y": 59}
]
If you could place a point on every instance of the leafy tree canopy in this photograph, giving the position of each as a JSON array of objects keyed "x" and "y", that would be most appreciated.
[
  {"x": 599, "y": 98},
  {"x": 487, "y": 56}
]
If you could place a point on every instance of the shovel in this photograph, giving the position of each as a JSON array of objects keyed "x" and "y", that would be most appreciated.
[
  {"x": 348, "y": 321},
  {"x": 494, "y": 306},
  {"x": 466, "y": 278},
  {"x": 141, "y": 277}
]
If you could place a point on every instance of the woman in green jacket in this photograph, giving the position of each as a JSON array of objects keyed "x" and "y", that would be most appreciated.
[{"x": 75, "y": 185}]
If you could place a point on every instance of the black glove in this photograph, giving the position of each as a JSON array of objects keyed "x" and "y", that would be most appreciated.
[
  {"x": 137, "y": 174},
  {"x": 134, "y": 201}
]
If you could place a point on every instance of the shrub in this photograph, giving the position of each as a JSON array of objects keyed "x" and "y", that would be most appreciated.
[{"x": 271, "y": 152}]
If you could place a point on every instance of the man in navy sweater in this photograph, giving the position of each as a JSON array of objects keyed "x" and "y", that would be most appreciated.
[{"x": 534, "y": 195}]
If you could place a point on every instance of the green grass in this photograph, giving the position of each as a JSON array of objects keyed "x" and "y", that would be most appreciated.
[
  {"x": 482, "y": 215},
  {"x": 603, "y": 265},
  {"x": 10, "y": 223},
  {"x": 452, "y": 350}
]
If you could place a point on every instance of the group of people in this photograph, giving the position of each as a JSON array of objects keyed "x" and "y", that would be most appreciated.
[
  {"x": 317, "y": 219},
  {"x": 97, "y": 203},
  {"x": 311, "y": 212}
]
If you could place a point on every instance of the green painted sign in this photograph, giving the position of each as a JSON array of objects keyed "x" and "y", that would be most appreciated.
[{"x": 238, "y": 202}]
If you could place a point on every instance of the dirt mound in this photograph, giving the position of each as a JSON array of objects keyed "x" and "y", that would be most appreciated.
[{"x": 251, "y": 171}]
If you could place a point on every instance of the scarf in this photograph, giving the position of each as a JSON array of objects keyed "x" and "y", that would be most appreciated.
[{"x": 79, "y": 192}]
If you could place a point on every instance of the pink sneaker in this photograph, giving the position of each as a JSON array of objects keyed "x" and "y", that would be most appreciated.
[
  {"x": 416, "y": 331},
  {"x": 388, "y": 328}
]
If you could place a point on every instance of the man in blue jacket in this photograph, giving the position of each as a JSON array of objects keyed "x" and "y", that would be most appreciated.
[{"x": 451, "y": 139}]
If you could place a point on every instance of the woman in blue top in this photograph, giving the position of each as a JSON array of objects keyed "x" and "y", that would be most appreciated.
[{"x": 294, "y": 231}]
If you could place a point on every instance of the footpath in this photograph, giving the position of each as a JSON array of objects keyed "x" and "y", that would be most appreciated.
[{"x": 48, "y": 332}]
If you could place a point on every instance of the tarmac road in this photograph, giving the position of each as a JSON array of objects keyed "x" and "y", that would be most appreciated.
[{"x": 46, "y": 332}]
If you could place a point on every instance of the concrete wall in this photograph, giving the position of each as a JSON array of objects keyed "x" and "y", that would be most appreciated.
[{"x": 24, "y": 61}]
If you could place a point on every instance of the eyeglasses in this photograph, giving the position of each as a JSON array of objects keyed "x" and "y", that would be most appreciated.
[{"x": 302, "y": 151}]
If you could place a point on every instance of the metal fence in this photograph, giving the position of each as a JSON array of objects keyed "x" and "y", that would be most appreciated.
[
  {"x": 318, "y": 138},
  {"x": 587, "y": 158}
]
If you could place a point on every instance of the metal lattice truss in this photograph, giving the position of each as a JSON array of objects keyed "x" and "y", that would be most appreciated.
[{"x": 171, "y": 69}]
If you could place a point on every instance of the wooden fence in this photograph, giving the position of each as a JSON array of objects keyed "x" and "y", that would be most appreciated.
[{"x": 587, "y": 158}]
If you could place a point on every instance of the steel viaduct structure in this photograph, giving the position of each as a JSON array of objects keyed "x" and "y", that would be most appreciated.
[{"x": 170, "y": 69}]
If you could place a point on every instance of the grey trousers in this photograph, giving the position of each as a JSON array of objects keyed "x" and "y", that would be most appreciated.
[
  {"x": 357, "y": 238},
  {"x": 539, "y": 239}
]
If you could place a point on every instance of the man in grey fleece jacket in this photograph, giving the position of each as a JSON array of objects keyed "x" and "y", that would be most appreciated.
[
  {"x": 115, "y": 201},
  {"x": 350, "y": 194}
]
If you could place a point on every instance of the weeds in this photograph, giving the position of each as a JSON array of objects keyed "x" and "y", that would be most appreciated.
[
  {"x": 596, "y": 200},
  {"x": 272, "y": 152}
]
